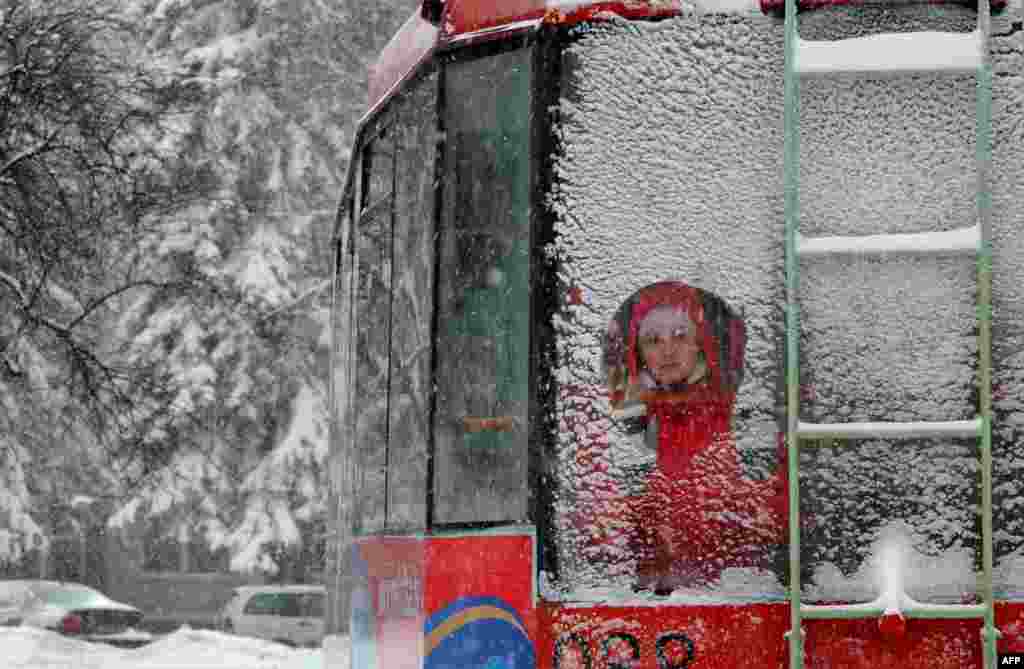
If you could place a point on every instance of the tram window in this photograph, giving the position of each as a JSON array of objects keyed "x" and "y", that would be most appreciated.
[
  {"x": 373, "y": 319},
  {"x": 412, "y": 304},
  {"x": 378, "y": 170},
  {"x": 394, "y": 237},
  {"x": 482, "y": 339}
]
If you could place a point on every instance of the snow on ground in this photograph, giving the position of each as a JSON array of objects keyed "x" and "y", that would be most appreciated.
[{"x": 28, "y": 648}]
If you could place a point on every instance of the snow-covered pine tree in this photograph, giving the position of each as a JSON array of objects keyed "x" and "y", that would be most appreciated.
[{"x": 235, "y": 459}]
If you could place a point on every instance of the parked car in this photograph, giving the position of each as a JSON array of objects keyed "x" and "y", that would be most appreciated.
[
  {"x": 71, "y": 609},
  {"x": 289, "y": 614}
]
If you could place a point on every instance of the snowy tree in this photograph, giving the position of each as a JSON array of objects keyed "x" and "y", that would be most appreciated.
[
  {"x": 192, "y": 328},
  {"x": 242, "y": 441},
  {"x": 85, "y": 174}
]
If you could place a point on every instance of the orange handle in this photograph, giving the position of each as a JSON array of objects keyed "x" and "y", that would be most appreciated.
[{"x": 492, "y": 424}]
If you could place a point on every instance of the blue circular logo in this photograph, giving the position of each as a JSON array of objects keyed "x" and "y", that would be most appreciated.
[{"x": 477, "y": 632}]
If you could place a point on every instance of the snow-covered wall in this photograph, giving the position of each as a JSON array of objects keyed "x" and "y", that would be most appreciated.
[{"x": 670, "y": 167}]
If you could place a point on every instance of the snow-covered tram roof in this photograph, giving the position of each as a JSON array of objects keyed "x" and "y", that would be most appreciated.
[
  {"x": 466, "y": 21},
  {"x": 455, "y": 22}
]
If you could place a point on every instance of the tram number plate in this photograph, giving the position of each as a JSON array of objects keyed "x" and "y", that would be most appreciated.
[{"x": 621, "y": 650}]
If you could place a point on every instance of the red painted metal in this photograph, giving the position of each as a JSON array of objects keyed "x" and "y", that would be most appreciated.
[
  {"x": 466, "y": 19},
  {"x": 467, "y": 566},
  {"x": 752, "y": 635},
  {"x": 463, "y": 17},
  {"x": 742, "y": 635},
  {"x": 426, "y": 599},
  {"x": 413, "y": 581},
  {"x": 893, "y": 627}
]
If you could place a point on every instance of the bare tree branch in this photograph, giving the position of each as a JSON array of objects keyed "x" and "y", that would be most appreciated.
[
  {"x": 99, "y": 301},
  {"x": 16, "y": 69},
  {"x": 81, "y": 184},
  {"x": 14, "y": 285}
]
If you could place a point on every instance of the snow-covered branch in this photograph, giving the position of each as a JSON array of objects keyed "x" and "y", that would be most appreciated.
[
  {"x": 311, "y": 292},
  {"x": 15, "y": 286},
  {"x": 31, "y": 151}
]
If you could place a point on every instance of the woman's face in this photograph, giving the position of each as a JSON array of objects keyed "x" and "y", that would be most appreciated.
[{"x": 669, "y": 344}]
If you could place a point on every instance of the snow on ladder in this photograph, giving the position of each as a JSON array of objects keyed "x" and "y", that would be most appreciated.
[
  {"x": 888, "y": 54},
  {"x": 911, "y": 430},
  {"x": 952, "y": 241},
  {"x": 895, "y": 53}
]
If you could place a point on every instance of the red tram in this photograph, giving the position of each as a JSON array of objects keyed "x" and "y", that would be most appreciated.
[{"x": 663, "y": 330}]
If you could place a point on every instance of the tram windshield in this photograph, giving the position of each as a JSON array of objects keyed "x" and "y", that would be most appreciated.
[{"x": 441, "y": 312}]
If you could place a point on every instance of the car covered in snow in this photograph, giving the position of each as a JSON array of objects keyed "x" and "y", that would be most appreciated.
[
  {"x": 288, "y": 614},
  {"x": 71, "y": 609}
]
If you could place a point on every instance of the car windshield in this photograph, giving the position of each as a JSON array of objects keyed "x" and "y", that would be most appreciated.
[{"x": 62, "y": 594}]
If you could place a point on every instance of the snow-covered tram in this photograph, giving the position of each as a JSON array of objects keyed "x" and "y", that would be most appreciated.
[{"x": 662, "y": 330}]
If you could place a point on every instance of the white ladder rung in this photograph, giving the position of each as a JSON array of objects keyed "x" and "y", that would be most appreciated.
[
  {"x": 962, "y": 240},
  {"x": 951, "y": 428},
  {"x": 877, "y": 608},
  {"x": 926, "y": 51}
]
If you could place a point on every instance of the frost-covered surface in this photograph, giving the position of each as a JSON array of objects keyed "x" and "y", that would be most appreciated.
[
  {"x": 737, "y": 585},
  {"x": 670, "y": 167},
  {"x": 893, "y": 569},
  {"x": 28, "y": 648},
  {"x": 633, "y": 208}
]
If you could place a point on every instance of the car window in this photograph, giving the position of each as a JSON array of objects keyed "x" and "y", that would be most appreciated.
[
  {"x": 290, "y": 605},
  {"x": 264, "y": 604},
  {"x": 66, "y": 595},
  {"x": 274, "y": 604}
]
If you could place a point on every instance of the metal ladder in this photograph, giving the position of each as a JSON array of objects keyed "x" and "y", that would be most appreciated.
[{"x": 968, "y": 52}]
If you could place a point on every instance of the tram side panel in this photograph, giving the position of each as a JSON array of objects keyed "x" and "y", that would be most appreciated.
[
  {"x": 444, "y": 601},
  {"x": 668, "y": 174},
  {"x": 670, "y": 168}
]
